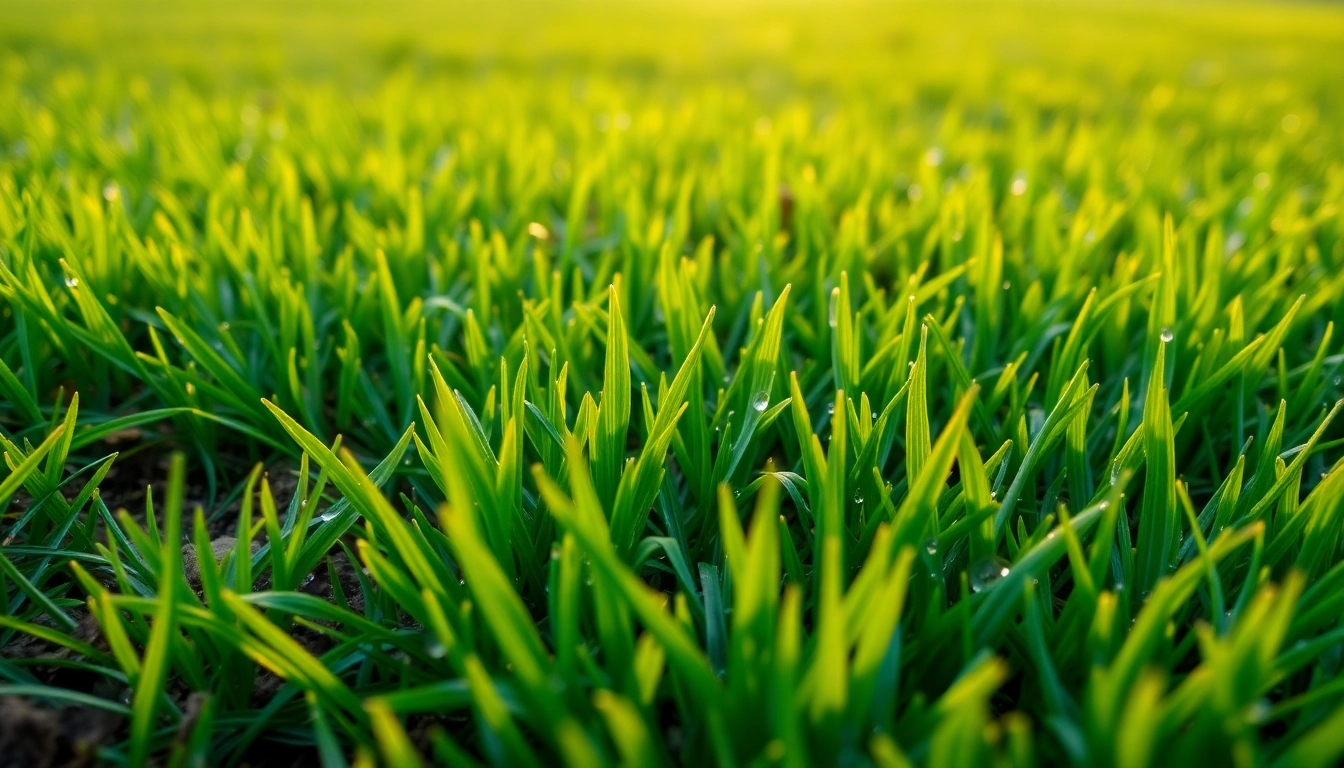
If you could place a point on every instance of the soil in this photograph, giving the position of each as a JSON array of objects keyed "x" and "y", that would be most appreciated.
[
  {"x": 35, "y": 734},
  {"x": 126, "y": 483}
]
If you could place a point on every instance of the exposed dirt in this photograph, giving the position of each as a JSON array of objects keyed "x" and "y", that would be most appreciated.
[
  {"x": 39, "y": 734},
  {"x": 33, "y": 735},
  {"x": 131, "y": 474}
]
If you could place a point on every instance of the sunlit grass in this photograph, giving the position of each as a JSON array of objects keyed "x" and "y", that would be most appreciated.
[{"x": 594, "y": 385}]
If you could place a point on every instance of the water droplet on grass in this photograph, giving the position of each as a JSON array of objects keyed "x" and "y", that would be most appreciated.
[
  {"x": 931, "y": 545},
  {"x": 1167, "y": 335},
  {"x": 435, "y": 648},
  {"x": 72, "y": 282},
  {"x": 987, "y": 573},
  {"x": 760, "y": 400},
  {"x": 858, "y": 497}
]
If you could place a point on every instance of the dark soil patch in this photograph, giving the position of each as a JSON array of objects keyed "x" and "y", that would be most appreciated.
[
  {"x": 135, "y": 475},
  {"x": 33, "y": 735}
]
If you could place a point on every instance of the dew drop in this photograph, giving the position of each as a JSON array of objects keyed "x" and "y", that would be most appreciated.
[
  {"x": 72, "y": 282},
  {"x": 931, "y": 545},
  {"x": 435, "y": 648},
  {"x": 1007, "y": 284},
  {"x": 858, "y": 497},
  {"x": 1167, "y": 335},
  {"x": 830, "y": 408},
  {"x": 737, "y": 492},
  {"x": 986, "y": 573},
  {"x": 760, "y": 400},
  {"x": 833, "y": 308},
  {"x": 1019, "y": 185},
  {"x": 1104, "y": 505}
]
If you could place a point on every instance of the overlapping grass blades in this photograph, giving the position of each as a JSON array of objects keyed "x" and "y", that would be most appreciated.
[{"x": 833, "y": 397}]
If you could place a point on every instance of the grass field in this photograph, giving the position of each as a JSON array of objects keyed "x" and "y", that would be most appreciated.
[{"x": 644, "y": 384}]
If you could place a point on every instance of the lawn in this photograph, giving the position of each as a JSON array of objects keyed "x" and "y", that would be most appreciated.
[{"x": 738, "y": 384}]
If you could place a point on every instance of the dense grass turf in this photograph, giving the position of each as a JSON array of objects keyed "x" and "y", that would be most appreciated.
[{"x": 751, "y": 386}]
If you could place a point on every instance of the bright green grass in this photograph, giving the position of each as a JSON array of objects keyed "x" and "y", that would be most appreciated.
[{"x": 793, "y": 385}]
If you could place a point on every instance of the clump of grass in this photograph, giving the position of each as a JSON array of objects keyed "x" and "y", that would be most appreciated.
[{"x": 862, "y": 392}]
